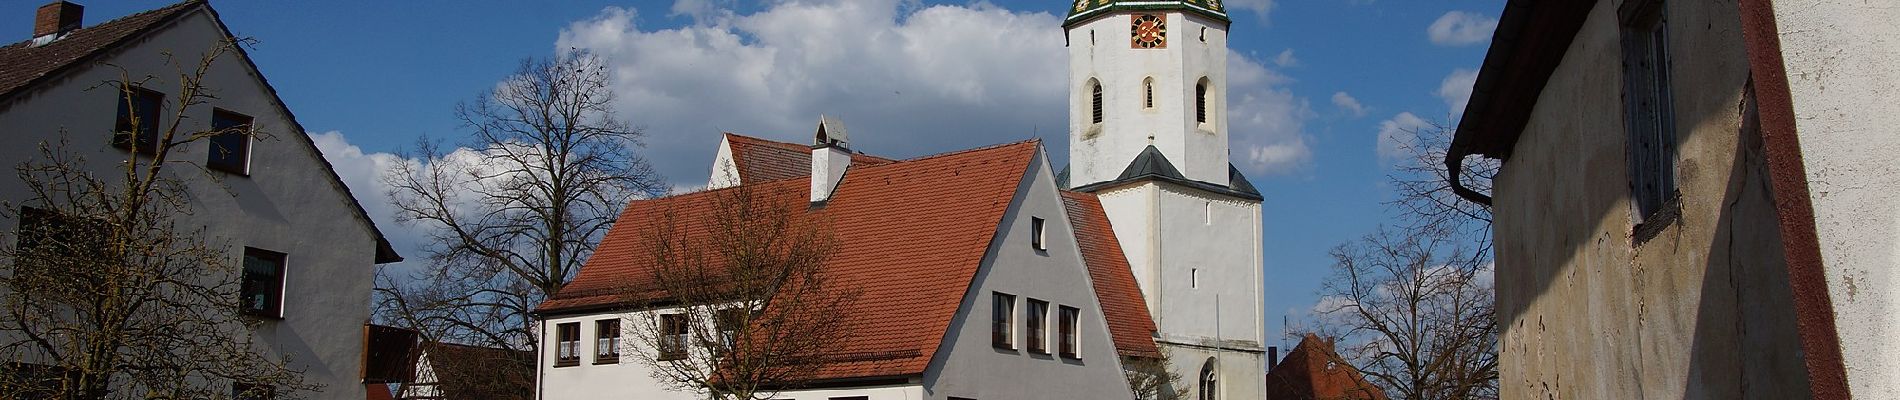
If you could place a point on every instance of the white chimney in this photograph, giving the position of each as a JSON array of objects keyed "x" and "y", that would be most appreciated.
[{"x": 830, "y": 157}]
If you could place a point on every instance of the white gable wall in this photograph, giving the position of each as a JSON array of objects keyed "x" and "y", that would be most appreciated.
[
  {"x": 290, "y": 203},
  {"x": 968, "y": 366}
]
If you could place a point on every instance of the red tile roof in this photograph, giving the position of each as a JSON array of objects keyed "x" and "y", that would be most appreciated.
[
  {"x": 22, "y": 64},
  {"x": 1129, "y": 323},
  {"x": 906, "y": 244},
  {"x": 760, "y": 160},
  {"x": 1314, "y": 371}
]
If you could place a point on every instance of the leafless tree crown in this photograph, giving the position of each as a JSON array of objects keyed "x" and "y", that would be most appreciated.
[{"x": 106, "y": 293}]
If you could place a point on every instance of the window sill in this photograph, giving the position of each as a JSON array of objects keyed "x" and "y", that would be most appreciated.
[
  {"x": 607, "y": 360},
  {"x": 230, "y": 170},
  {"x": 671, "y": 357},
  {"x": 262, "y": 316},
  {"x": 1003, "y": 346},
  {"x": 567, "y": 363},
  {"x": 1653, "y": 224},
  {"x": 1071, "y": 356}
]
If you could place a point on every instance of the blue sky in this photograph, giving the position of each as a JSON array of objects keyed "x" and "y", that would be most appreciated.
[{"x": 910, "y": 78}]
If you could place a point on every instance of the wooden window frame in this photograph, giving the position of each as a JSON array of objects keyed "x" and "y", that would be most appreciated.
[
  {"x": 607, "y": 341},
  {"x": 246, "y": 289},
  {"x": 1003, "y": 320},
  {"x": 1037, "y": 325},
  {"x": 1068, "y": 321},
  {"x": 251, "y": 391},
  {"x": 567, "y": 344},
  {"x": 675, "y": 332},
  {"x": 146, "y": 138},
  {"x": 1649, "y": 117},
  {"x": 236, "y": 146}
]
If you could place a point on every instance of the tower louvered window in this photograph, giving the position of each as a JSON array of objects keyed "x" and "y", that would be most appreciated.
[
  {"x": 1096, "y": 92},
  {"x": 1200, "y": 102},
  {"x": 1148, "y": 93}
]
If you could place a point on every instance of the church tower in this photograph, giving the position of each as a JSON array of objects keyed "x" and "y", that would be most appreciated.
[{"x": 1148, "y": 135}]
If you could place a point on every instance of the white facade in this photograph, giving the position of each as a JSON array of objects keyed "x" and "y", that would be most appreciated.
[
  {"x": 1100, "y": 53},
  {"x": 1843, "y": 65},
  {"x": 291, "y": 202},
  {"x": 1196, "y": 253}
]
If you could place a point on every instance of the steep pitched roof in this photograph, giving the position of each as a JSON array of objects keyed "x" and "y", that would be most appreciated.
[
  {"x": 1129, "y": 323},
  {"x": 760, "y": 160},
  {"x": 909, "y": 246},
  {"x": 24, "y": 66},
  {"x": 1314, "y": 371}
]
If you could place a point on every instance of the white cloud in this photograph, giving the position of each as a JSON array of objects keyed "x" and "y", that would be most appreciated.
[
  {"x": 363, "y": 173},
  {"x": 909, "y": 79},
  {"x": 1347, "y": 103},
  {"x": 1455, "y": 90},
  {"x": 1398, "y": 135},
  {"x": 1285, "y": 59},
  {"x": 1459, "y": 28}
]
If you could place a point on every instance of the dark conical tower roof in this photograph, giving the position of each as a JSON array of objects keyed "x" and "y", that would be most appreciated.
[{"x": 1084, "y": 10}]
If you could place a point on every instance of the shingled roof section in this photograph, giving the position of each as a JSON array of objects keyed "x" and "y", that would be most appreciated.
[
  {"x": 760, "y": 160},
  {"x": 22, "y": 64},
  {"x": 1129, "y": 324},
  {"x": 905, "y": 243}
]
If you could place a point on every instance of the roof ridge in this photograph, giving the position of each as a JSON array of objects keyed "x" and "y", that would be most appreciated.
[{"x": 969, "y": 150}]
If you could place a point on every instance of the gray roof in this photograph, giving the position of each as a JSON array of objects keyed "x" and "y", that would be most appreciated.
[{"x": 1152, "y": 165}]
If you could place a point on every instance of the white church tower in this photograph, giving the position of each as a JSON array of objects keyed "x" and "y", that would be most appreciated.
[{"x": 1148, "y": 134}]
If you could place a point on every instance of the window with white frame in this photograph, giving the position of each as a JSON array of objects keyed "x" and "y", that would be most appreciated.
[
  {"x": 1038, "y": 326},
  {"x": 1002, "y": 321},
  {"x": 1068, "y": 320},
  {"x": 1036, "y": 236}
]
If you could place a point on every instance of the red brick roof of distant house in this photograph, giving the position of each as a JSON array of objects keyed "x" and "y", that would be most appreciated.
[{"x": 1313, "y": 370}]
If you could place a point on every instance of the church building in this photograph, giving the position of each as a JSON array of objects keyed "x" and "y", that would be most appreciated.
[{"x": 988, "y": 273}]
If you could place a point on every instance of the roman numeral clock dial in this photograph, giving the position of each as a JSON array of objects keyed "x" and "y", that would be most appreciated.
[{"x": 1150, "y": 31}]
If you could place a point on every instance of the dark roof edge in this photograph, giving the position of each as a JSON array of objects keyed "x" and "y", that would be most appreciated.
[
  {"x": 1203, "y": 186},
  {"x": 1101, "y": 11},
  {"x": 1530, "y": 43},
  {"x": 175, "y": 10}
]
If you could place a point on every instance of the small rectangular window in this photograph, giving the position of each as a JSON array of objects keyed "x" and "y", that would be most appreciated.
[
  {"x": 1068, "y": 319},
  {"x": 230, "y": 142},
  {"x": 1036, "y": 234},
  {"x": 674, "y": 329},
  {"x": 1038, "y": 326},
  {"x": 729, "y": 321},
  {"x": 262, "y": 289},
  {"x": 247, "y": 391},
  {"x": 607, "y": 341},
  {"x": 567, "y": 344},
  {"x": 1002, "y": 317},
  {"x": 1649, "y": 116},
  {"x": 137, "y": 124}
]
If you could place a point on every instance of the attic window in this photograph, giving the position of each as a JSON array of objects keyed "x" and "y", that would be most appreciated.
[
  {"x": 230, "y": 142},
  {"x": 137, "y": 124},
  {"x": 1036, "y": 236}
]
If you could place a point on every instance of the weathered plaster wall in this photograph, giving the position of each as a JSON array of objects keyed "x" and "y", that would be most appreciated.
[
  {"x": 968, "y": 366},
  {"x": 287, "y": 204},
  {"x": 1843, "y": 64},
  {"x": 1702, "y": 310}
]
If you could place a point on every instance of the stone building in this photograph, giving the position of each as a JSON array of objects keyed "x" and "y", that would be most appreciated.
[{"x": 1697, "y": 198}]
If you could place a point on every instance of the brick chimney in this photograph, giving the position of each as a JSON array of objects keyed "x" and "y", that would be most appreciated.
[
  {"x": 830, "y": 157},
  {"x": 56, "y": 18}
]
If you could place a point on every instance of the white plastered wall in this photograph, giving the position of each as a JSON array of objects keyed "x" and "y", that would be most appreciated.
[
  {"x": 287, "y": 204},
  {"x": 1099, "y": 49},
  {"x": 1843, "y": 64}
]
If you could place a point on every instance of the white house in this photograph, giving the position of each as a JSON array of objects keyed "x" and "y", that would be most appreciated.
[
  {"x": 933, "y": 244},
  {"x": 272, "y": 202}
]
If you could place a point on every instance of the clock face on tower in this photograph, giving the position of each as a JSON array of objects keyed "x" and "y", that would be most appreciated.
[{"x": 1150, "y": 32}]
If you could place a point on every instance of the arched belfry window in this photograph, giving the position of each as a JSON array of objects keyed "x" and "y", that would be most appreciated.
[
  {"x": 1148, "y": 93},
  {"x": 1201, "y": 97},
  {"x": 1210, "y": 381},
  {"x": 1095, "y": 99}
]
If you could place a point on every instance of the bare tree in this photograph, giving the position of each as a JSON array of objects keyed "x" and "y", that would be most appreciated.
[
  {"x": 1413, "y": 306},
  {"x": 1153, "y": 378},
  {"x": 740, "y": 304},
  {"x": 513, "y": 215},
  {"x": 107, "y": 293}
]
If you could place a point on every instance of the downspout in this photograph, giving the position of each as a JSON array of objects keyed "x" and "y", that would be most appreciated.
[
  {"x": 540, "y": 374},
  {"x": 1454, "y": 167}
]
